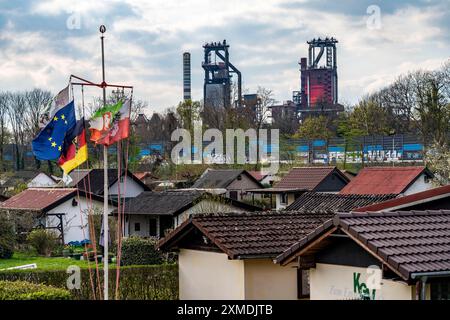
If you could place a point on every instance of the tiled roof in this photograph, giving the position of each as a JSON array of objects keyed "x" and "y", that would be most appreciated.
[
  {"x": 409, "y": 200},
  {"x": 306, "y": 178},
  {"x": 407, "y": 241},
  {"x": 219, "y": 179},
  {"x": 321, "y": 201},
  {"x": 37, "y": 199},
  {"x": 383, "y": 180},
  {"x": 161, "y": 203},
  {"x": 242, "y": 235}
]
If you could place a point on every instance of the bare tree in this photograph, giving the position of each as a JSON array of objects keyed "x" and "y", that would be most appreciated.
[
  {"x": 16, "y": 110},
  {"x": 4, "y": 133}
]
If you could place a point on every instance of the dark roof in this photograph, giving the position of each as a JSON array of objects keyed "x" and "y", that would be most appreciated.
[
  {"x": 307, "y": 178},
  {"x": 43, "y": 199},
  {"x": 409, "y": 200},
  {"x": 91, "y": 180},
  {"x": 248, "y": 235},
  {"x": 220, "y": 179},
  {"x": 384, "y": 180},
  {"x": 16, "y": 177},
  {"x": 172, "y": 202},
  {"x": 408, "y": 242},
  {"x": 322, "y": 201}
]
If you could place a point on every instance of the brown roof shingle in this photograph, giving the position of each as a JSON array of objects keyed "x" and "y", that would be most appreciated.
[
  {"x": 243, "y": 235},
  {"x": 407, "y": 241},
  {"x": 322, "y": 201},
  {"x": 37, "y": 199}
]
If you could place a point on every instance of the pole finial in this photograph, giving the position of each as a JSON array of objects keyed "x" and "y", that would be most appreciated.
[{"x": 102, "y": 28}]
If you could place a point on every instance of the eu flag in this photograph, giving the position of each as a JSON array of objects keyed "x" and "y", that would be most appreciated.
[{"x": 49, "y": 143}]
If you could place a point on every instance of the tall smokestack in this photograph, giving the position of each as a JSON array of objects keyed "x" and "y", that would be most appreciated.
[{"x": 186, "y": 76}]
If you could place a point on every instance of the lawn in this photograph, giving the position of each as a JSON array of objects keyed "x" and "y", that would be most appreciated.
[{"x": 43, "y": 263}]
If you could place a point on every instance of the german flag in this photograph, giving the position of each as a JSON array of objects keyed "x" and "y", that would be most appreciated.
[{"x": 75, "y": 151}]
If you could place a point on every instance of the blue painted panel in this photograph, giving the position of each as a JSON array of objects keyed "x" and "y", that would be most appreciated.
[
  {"x": 336, "y": 149},
  {"x": 413, "y": 147},
  {"x": 377, "y": 147},
  {"x": 144, "y": 152},
  {"x": 157, "y": 147},
  {"x": 319, "y": 143},
  {"x": 302, "y": 148}
]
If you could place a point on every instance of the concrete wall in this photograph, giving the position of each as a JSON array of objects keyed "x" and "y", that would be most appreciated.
[
  {"x": 266, "y": 280},
  {"x": 211, "y": 275},
  {"x": 336, "y": 282},
  {"x": 132, "y": 188},
  {"x": 208, "y": 275},
  {"x": 419, "y": 185},
  {"x": 75, "y": 219}
]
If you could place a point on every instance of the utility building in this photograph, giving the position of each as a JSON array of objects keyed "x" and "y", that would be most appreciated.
[
  {"x": 218, "y": 74},
  {"x": 319, "y": 80}
]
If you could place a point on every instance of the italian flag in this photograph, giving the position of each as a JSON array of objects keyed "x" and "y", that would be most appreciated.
[{"x": 111, "y": 123}]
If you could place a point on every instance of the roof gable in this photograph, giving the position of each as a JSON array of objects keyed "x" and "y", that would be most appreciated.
[
  {"x": 220, "y": 178},
  {"x": 248, "y": 235},
  {"x": 384, "y": 180},
  {"x": 408, "y": 242}
]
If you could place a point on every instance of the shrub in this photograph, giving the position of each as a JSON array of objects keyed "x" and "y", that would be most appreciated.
[
  {"x": 159, "y": 282},
  {"x": 7, "y": 238},
  {"x": 43, "y": 241},
  {"x": 23, "y": 290},
  {"x": 140, "y": 251}
]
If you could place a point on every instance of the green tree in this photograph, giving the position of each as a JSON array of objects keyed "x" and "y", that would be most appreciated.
[
  {"x": 368, "y": 118},
  {"x": 314, "y": 128},
  {"x": 189, "y": 113}
]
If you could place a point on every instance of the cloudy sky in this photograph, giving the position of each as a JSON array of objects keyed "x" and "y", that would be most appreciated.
[{"x": 43, "y": 42}]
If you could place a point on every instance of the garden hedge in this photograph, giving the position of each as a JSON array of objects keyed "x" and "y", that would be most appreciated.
[
  {"x": 23, "y": 290},
  {"x": 158, "y": 282},
  {"x": 140, "y": 251}
]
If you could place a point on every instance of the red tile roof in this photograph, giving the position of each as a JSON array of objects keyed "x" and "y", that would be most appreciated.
[
  {"x": 407, "y": 242},
  {"x": 407, "y": 201},
  {"x": 383, "y": 180},
  {"x": 306, "y": 178},
  {"x": 37, "y": 199},
  {"x": 257, "y": 175}
]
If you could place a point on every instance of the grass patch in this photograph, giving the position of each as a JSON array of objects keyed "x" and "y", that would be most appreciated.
[{"x": 43, "y": 263}]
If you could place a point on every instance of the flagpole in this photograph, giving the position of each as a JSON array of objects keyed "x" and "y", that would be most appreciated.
[{"x": 105, "y": 186}]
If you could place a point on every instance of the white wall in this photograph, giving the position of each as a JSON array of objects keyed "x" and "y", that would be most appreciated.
[
  {"x": 41, "y": 180},
  {"x": 419, "y": 185},
  {"x": 207, "y": 275},
  {"x": 279, "y": 205},
  {"x": 132, "y": 188},
  {"x": 73, "y": 218},
  {"x": 144, "y": 221},
  {"x": 335, "y": 282}
]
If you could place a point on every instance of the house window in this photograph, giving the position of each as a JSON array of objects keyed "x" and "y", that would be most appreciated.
[
  {"x": 283, "y": 198},
  {"x": 137, "y": 226},
  {"x": 440, "y": 290},
  {"x": 233, "y": 195},
  {"x": 302, "y": 284},
  {"x": 239, "y": 177},
  {"x": 153, "y": 229},
  {"x": 426, "y": 179}
]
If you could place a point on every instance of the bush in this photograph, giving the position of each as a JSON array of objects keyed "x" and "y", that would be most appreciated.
[
  {"x": 23, "y": 290},
  {"x": 140, "y": 251},
  {"x": 7, "y": 238},
  {"x": 158, "y": 282},
  {"x": 43, "y": 241}
]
